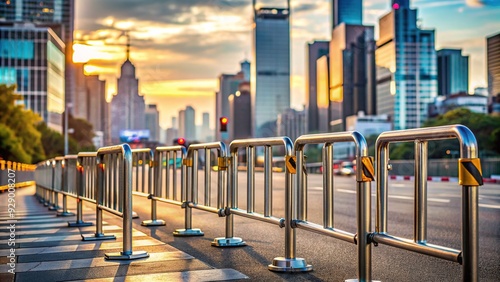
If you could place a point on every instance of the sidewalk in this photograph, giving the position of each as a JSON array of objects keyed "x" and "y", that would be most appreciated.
[{"x": 47, "y": 250}]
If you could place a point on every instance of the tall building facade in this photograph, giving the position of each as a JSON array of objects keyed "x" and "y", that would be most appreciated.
[
  {"x": 90, "y": 102},
  {"x": 187, "y": 127},
  {"x": 493, "y": 65},
  {"x": 228, "y": 85},
  {"x": 452, "y": 71},
  {"x": 270, "y": 81},
  {"x": 33, "y": 59},
  {"x": 347, "y": 11},
  {"x": 240, "y": 113},
  {"x": 291, "y": 123},
  {"x": 59, "y": 15},
  {"x": 314, "y": 51},
  {"x": 406, "y": 67},
  {"x": 152, "y": 116},
  {"x": 352, "y": 70},
  {"x": 127, "y": 106}
]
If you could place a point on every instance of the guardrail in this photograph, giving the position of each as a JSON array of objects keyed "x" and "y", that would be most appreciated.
[
  {"x": 192, "y": 164},
  {"x": 85, "y": 185},
  {"x": 15, "y": 175},
  {"x": 469, "y": 177},
  {"x": 364, "y": 176},
  {"x": 68, "y": 182},
  {"x": 114, "y": 195},
  {"x": 166, "y": 191},
  {"x": 43, "y": 177}
]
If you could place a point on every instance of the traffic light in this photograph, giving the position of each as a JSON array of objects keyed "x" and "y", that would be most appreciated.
[
  {"x": 223, "y": 124},
  {"x": 180, "y": 141}
]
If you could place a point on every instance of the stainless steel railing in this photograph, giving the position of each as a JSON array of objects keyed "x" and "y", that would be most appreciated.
[
  {"x": 85, "y": 180},
  {"x": 364, "y": 174},
  {"x": 192, "y": 165},
  {"x": 470, "y": 179},
  {"x": 113, "y": 193}
]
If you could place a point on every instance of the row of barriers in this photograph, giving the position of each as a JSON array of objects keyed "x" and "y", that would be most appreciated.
[{"x": 171, "y": 175}]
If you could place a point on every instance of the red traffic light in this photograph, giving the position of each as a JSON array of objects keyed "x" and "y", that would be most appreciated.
[
  {"x": 223, "y": 124},
  {"x": 181, "y": 141}
]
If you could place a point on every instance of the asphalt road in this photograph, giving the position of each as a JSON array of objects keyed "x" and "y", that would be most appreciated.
[{"x": 332, "y": 259}]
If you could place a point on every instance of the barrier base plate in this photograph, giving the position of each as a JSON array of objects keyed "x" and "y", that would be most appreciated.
[
  {"x": 79, "y": 224},
  {"x": 228, "y": 242},
  {"x": 65, "y": 213},
  {"x": 97, "y": 237},
  {"x": 188, "y": 232},
  {"x": 157, "y": 222},
  {"x": 357, "y": 280},
  {"x": 122, "y": 256},
  {"x": 54, "y": 208},
  {"x": 281, "y": 264},
  {"x": 135, "y": 215}
]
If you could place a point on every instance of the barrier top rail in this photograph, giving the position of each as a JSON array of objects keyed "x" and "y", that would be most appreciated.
[
  {"x": 469, "y": 177},
  {"x": 285, "y": 141}
]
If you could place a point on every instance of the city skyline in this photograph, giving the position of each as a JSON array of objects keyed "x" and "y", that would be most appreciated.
[{"x": 180, "y": 49}]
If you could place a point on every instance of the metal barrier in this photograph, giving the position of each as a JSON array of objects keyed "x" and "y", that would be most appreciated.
[
  {"x": 288, "y": 263},
  {"x": 57, "y": 164},
  {"x": 86, "y": 165},
  {"x": 191, "y": 163},
  {"x": 43, "y": 178},
  {"x": 469, "y": 177},
  {"x": 114, "y": 195},
  {"x": 364, "y": 175},
  {"x": 166, "y": 191},
  {"x": 68, "y": 182}
]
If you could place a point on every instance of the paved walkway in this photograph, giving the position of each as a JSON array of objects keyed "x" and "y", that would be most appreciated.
[{"x": 46, "y": 249}]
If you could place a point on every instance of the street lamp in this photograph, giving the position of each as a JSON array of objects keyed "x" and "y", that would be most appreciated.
[{"x": 68, "y": 106}]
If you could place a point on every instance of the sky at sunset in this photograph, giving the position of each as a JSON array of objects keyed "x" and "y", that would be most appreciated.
[{"x": 180, "y": 47}]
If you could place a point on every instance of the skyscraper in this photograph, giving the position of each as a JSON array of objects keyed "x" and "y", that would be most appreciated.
[
  {"x": 270, "y": 82},
  {"x": 127, "y": 106},
  {"x": 452, "y": 71},
  {"x": 189, "y": 124},
  {"x": 406, "y": 67},
  {"x": 240, "y": 113},
  {"x": 347, "y": 11},
  {"x": 352, "y": 70},
  {"x": 493, "y": 65},
  {"x": 152, "y": 116},
  {"x": 228, "y": 85},
  {"x": 59, "y": 15},
  {"x": 33, "y": 58},
  {"x": 314, "y": 51}
]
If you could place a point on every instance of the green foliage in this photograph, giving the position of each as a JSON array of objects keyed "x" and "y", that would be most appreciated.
[
  {"x": 11, "y": 147},
  {"x": 486, "y": 129},
  {"x": 82, "y": 135},
  {"x": 21, "y": 124},
  {"x": 53, "y": 141}
]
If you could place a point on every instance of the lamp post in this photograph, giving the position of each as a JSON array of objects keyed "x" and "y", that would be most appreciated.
[{"x": 68, "y": 106}]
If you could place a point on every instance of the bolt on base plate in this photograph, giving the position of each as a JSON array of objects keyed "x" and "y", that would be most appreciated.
[
  {"x": 79, "y": 224},
  {"x": 97, "y": 237},
  {"x": 281, "y": 264},
  {"x": 122, "y": 256},
  {"x": 188, "y": 232},
  {"x": 157, "y": 222},
  {"x": 228, "y": 242}
]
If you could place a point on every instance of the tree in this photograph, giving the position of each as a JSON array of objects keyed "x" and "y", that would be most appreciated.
[
  {"x": 21, "y": 128},
  {"x": 53, "y": 141},
  {"x": 11, "y": 147},
  {"x": 82, "y": 135}
]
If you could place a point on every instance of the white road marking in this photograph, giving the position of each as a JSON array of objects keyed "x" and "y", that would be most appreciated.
[
  {"x": 399, "y": 196},
  {"x": 489, "y": 206}
]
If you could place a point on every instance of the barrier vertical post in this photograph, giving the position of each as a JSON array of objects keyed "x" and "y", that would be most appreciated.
[
  {"x": 190, "y": 164},
  {"x": 80, "y": 190},
  {"x": 420, "y": 203},
  {"x": 68, "y": 174}
]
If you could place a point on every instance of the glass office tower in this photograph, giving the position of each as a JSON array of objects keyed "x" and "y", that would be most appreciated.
[
  {"x": 33, "y": 59},
  {"x": 59, "y": 15},
  {"x": 453, "y": 72},
  {"x": 347, "y": 11},
  {"x": 270, "y": 79},
  {"x": 406, "y": 67}
]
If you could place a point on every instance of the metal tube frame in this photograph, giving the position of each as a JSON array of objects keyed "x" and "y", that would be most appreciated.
[
  {"x": 85, "y": 169},
  {"x": 363, "y": 194},
  {"x": 191, "y": 200},
  {"x": 468, "y": 256},
  {"x": 67, "y": 171}
]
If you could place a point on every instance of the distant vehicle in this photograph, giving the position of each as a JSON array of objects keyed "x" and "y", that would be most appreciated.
[{"x": 347, "y": 168}]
